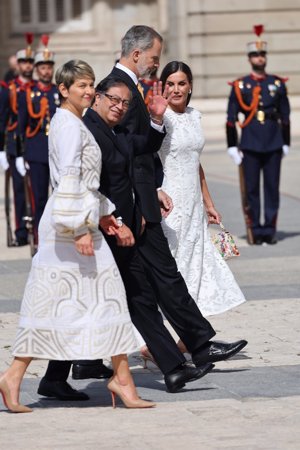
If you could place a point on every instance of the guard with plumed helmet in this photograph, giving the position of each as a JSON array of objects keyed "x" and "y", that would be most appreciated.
[
  {"x": 10, "y": 149},
  {"x": 262, "y": 100},
  {"x": 37, "y": 106}
]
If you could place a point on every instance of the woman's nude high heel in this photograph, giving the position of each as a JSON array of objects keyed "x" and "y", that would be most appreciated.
[
  {"x": 146, "y": 356},
  {"x": 115, "y": 390},
  {"x": 15, "y": 408}
]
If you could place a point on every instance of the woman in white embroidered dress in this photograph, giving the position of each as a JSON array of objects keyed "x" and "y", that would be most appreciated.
[
  {"x": 74, "y": 304},
  {"x": 207, "y": 275}
]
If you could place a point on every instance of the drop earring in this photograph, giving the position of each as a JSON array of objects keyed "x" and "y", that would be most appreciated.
[{"x": 190, "y": 91}]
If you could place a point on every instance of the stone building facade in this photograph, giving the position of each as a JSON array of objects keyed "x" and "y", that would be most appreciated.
[{"x": 210, "y": 35}]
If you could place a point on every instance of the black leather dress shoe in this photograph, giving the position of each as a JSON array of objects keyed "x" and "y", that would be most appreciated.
[
  {"x": 92, "y": 370},
  {"x": 270, "y": 239},
  {"x": 176, "y": 379},
  {"x": 20, "y": 242},
  {"x": 61, "y": 390},
  {"x": 258, "y": 240},
  {"x": 217, "y": 351}
]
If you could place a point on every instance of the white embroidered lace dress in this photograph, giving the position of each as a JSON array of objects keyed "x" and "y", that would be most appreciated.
[
  {"x": 208, "y": 277},
  {"x": 74, "y": 306}
]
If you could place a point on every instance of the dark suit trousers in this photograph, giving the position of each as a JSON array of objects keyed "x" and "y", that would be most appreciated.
[
  {"x": 58, "y": 370},
  {"x": 269, "y": 164},
  {"x": 143, "y": 308},
  {"x": 170, "y": 289}
]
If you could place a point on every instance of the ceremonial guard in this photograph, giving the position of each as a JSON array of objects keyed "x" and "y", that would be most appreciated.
[
  {"x": 147, "y": 85},
  {"x": 265, "y": 139},
  {"x": 4, "y": 108},
  {"x": 9, "y": 130},
  {"x": 37, "y": 106}
]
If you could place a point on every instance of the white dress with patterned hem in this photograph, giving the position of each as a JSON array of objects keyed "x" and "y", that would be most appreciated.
[
  {"x": 208, "y": 277},
  {"x": 74, "y": 306}
]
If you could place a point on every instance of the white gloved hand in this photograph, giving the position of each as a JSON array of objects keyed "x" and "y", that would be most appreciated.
[
  {"x": 3, "y": 161},
  {"x": 235, "y": 154},
  {"x": 285, "y": 150},
  {"x": 20, "y": 165}
]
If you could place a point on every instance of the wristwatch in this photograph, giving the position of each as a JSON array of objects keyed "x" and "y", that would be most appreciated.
[{"x": 119, "y": 221}]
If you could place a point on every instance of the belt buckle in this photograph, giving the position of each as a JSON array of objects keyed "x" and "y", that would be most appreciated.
[{"x": 260, "y": 115}]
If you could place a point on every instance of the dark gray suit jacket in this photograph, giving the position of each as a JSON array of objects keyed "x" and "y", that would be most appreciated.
[
  {"x": 118, "y": 153},
  {"x": 146, "y": 166}
]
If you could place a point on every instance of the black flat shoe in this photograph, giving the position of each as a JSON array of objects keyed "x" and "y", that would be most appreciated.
[
  {"x": 60, "y": 390},
  {"x": 217, "y": 351},
  {"x": 94, "y": 369},
  {"x": 177, "y": 379}
]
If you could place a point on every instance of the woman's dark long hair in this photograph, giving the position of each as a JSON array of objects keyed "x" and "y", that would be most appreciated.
[{"x": 176, "y": 66}]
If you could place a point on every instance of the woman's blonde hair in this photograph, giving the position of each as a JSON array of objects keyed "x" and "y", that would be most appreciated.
[{"x": 71, "y": 71}]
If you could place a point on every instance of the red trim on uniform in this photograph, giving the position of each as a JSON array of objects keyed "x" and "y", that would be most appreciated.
[
  {"x": 258, "y": 77},
  {"x": 22, "y": 84},
  {"x": 44, "y": 88},
  {"x": 283, "y": 79},
  {"x": 149, "y": 82}
]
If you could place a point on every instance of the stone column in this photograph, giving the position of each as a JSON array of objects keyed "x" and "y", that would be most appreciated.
[{"x": 177, "y": 33}]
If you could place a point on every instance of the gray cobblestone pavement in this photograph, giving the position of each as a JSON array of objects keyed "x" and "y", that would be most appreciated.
[{"x": 249, "y": 402}]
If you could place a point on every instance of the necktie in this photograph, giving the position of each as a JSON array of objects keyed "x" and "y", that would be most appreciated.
[{"x": 140, "y": 89}]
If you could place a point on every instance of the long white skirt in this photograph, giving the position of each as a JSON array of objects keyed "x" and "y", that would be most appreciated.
[{"x": 74, "y": 306}]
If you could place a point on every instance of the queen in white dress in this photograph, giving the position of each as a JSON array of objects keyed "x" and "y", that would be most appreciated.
[
  {"x": 74, "y": 304},
  {"x": 208, "y": 277}
]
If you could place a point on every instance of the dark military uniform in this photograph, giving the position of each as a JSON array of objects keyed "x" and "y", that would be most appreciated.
[
  {"x": 10, "y": 120},
  {"x": 4, "y": 108},
  {"x": 147, "y": 86},
  {"x": 34, "y": 131},
  {"x": 263, "y": 136}
]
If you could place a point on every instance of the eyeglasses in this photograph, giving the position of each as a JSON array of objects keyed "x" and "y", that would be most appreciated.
[{"x": 117, "y": 100}]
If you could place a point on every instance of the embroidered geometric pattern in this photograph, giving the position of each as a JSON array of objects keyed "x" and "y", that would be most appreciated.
[{"x": 74, "y": 306}]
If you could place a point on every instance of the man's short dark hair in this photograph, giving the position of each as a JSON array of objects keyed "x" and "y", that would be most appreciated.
[{"x": 108, "y": 82}]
